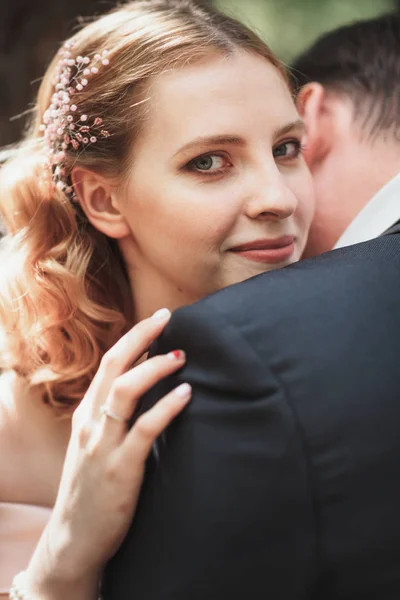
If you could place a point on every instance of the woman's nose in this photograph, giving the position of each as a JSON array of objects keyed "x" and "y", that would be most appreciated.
[{"x": 272, "y": 198}]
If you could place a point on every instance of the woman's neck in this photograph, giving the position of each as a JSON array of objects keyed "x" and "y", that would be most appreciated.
[{"x": 150, "y": 293}]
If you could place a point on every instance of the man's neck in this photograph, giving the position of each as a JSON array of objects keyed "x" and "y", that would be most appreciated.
[{"x": 345, "y": 183}]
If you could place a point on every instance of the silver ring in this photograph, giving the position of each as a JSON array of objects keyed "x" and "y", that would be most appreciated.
[{"x": 104, "y": 410}]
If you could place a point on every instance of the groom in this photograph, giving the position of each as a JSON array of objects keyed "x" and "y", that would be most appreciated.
[
  {"x": 281, "y": 480},
  {"x": 350, "y": 103}
]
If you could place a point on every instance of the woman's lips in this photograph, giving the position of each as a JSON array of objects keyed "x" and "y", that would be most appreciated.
[{"x": 268, "y": 251}]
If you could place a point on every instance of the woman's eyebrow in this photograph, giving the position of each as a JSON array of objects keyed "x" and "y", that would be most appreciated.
[
  {"x": 235, "y": 140},
  {"x": 298, "y": 125},
  {"x": 213, "y": 140}
]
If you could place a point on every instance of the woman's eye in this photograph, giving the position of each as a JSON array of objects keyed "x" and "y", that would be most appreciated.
[
  {"x": 290, "y": 149},
  {"x": 207, "y": 163}
]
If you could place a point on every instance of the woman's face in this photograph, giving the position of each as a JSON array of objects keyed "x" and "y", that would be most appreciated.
[{"x": 218, "y": 189}]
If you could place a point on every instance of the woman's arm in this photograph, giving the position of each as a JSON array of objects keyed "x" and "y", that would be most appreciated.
[{"x": 104, "y": 466}]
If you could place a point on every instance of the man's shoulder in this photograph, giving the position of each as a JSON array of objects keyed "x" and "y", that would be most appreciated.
[
  {"x": 348, "y": 275},
  {"x": 341, "y": 304}
]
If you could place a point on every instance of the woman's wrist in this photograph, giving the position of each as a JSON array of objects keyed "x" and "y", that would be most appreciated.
[
  {"x": 23, "y": 588},
  {"x": 38, "y": 585},
  {"x": 53, "y": 572}
]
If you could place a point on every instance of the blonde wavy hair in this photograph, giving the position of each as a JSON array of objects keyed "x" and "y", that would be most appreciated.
[{"x": 65, "y": 297}]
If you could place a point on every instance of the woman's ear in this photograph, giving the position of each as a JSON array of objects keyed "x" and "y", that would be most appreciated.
[
  {"x": 314, "y": 109},
  {"x": 97, "y": 197}
]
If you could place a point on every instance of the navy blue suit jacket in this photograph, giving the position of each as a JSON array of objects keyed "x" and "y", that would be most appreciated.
[{"x": 281, "y": 480}]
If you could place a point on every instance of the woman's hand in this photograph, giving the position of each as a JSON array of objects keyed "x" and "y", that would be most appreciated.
[{"x": 104, "y": 465}]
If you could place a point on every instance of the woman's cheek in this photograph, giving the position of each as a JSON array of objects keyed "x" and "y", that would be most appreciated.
[{"x": 210, "y": 219}]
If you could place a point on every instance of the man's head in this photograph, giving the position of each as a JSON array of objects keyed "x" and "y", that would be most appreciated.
[{"x": 349, "y": 97}]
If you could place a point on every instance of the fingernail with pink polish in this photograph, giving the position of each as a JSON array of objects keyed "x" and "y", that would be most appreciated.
[{"x": 184, "y": 390}]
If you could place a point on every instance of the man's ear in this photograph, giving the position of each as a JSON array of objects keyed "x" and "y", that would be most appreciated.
[
  {"x": 98, "y": 199},
  {"x": 314, "y": 109}
]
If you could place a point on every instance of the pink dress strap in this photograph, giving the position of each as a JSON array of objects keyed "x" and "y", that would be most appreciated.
[{"x": 21, "y": 526}]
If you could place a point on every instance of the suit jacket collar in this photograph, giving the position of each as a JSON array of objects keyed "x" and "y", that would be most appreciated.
[{"x": 394, "y": 229}]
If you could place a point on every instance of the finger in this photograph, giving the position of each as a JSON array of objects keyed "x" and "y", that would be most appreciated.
[
  {"x": 123, "y": 354},
  {"x": 133, "y": 344},
  {"x": 152, "y": 423},
  {"x": 127, "y": 390}
]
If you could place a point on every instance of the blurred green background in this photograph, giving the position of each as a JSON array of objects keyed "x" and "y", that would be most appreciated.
[{"x": 289, "y": 26}]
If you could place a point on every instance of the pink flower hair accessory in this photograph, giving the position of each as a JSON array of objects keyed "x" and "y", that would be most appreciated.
[{"x": 63, "y": 127}]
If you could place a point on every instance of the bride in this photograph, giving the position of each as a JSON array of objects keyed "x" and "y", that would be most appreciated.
[{"x": 163, "y": 163}]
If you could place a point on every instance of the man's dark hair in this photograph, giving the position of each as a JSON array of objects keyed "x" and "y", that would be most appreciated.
[{"x": 361, "y": 60}]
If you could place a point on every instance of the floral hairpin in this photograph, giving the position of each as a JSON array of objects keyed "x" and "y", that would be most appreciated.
[{"x": 63, "y": 126}]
